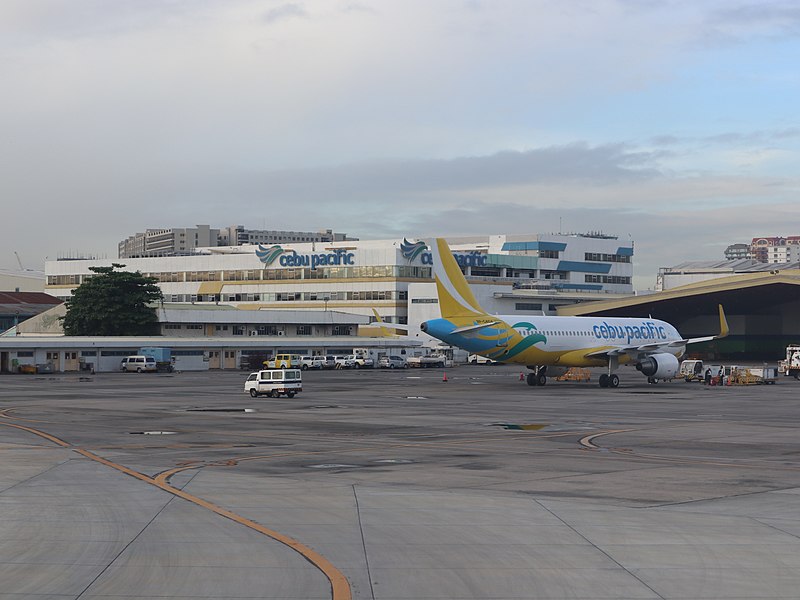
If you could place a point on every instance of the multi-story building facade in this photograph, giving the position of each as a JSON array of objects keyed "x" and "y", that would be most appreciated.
[
  {"x": 737, "y": 252},
  {"x": 509, "y": 273},
  {"x": 183, "y": 241},
  {"x": 237, "y": 235},
  {"x": 775, "y": 249},
  {"x": 168, "y": 242}
]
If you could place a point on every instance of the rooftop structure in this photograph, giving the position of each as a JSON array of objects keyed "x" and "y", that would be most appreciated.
[{"x": 185, "y": 241}]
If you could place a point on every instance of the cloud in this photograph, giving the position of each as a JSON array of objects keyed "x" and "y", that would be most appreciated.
[
  {"x": 285, "y": 11},
  {"x": 744, "y": 19}
]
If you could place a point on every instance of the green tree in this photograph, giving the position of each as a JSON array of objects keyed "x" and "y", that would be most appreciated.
[{"x": 113, "y": 302}]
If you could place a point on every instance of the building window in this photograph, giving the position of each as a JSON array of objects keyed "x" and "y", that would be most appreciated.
[
  {"x": 424, "y": 301},
  {"x": 548, "y": 253},
  {"x": 614, "y": 279},
  {"x": 597, "y": 257},
  {"x": 528, "y": 306},
  {"x": 238, "y": 330},
  {"x": 341, "y": 330},
  {"x": 304, "y": 330}
]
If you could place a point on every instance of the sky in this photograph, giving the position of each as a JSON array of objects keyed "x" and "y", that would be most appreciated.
[{"x": 672, "y": 123}]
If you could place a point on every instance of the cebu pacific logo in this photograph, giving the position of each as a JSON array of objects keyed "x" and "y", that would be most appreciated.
[
  {"x": 529, "y": 332},
  {"x": 268, "y": 255},
  {"x": 412, "y": 251}
]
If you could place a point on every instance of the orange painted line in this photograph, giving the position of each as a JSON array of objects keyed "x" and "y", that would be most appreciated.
[
  {"x": 340, "y": 588},
  {"x": 46, "y": 436}
]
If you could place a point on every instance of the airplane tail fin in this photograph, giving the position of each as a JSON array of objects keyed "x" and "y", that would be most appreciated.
[{"x": 455, "y": 296}]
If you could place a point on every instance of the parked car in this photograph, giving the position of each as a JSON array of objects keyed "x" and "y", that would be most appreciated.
[
  {"x": 138, "y": 364},
  {"x": 392, "y": 362},
  {"x": 345, "y": 362},
  {"x": 364, "y": 362},
  {"x": 284, "y": 361},
  {"x": 328, "y": 362},
  {"x": 311, "y": 362}
]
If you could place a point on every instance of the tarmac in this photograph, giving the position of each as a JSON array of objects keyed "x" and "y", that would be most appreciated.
[{"x": 397, "y": 485}]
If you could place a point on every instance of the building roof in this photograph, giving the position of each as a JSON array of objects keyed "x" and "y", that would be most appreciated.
[
  {"x": 191, "y": 313},
  {"x": 28, "y": 298},
  {"x": 245, "y": 342},
  {"x": 28, "y": 273},
  {"x": 737, "y": 293},
  {"x": 26, "y": 304},
  {"x": 742, "y": 265}
]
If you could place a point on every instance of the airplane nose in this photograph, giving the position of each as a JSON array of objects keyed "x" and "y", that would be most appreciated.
[{"x": 424, "y": 326}]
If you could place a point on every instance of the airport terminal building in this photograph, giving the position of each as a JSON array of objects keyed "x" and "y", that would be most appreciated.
[
  {"x": 222, "y": 304},
  {"x": 510, "y": 273}
]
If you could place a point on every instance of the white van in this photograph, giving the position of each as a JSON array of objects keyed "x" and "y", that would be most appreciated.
[
  {"x": 138, "y": 364},
  {"x": 274, "y": 382}
]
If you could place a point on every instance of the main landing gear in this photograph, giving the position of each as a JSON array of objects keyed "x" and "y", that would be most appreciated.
[
  {"x": 538, "y": 376},
  {"x": 611, "y": 380}
]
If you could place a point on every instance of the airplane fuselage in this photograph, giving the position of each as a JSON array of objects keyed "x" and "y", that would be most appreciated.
[{"x": 551, "y": 340}]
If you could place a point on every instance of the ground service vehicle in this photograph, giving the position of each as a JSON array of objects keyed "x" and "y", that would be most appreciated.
[
  {"x": 477, "y": 359},
  {"x": 274, "y": 382},
  {"x": 138, "y": 364},
  {"x": 429, "y": 360},
  {"x": 162, "y": 356},
  {"x": 692, "y": 370},
  {"x": 791, "y": 366}
]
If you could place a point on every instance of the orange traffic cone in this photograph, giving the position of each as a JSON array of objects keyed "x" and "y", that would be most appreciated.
[{"x": 444, "y": 377}]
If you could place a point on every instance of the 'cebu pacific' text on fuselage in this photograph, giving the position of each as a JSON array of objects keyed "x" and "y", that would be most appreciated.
[{"x": 646, "y": 331}]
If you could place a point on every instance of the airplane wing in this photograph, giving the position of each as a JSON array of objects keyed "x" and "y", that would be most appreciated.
[
  {"x": 646, "y": 349},
  {"x": 379, "y": 322}
]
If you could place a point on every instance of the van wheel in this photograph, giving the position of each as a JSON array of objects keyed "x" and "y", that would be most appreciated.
[
  {"x": 269, "y": 394},
  {"x": 290, "y": 394},
  {"x": 138, "y": 369},
  {"x": 253, "y": 393},
  {"x": 391, "y": 365},
  {"x": 304, "y": 367}
]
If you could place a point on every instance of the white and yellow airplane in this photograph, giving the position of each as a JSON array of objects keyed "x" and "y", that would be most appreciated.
[{"x": 550, "y": 345}]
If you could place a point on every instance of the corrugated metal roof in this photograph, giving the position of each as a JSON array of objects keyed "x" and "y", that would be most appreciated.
[{"x": 272, "y": 317}]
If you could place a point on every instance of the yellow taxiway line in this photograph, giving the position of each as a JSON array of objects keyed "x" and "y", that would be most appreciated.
[{"x": 340, "y": 588}]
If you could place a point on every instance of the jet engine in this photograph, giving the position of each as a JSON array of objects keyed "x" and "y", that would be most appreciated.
[{"x": 659, "y": 366}]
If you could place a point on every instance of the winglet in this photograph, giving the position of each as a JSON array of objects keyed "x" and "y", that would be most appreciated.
[{"x": 724, "y": 330}]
